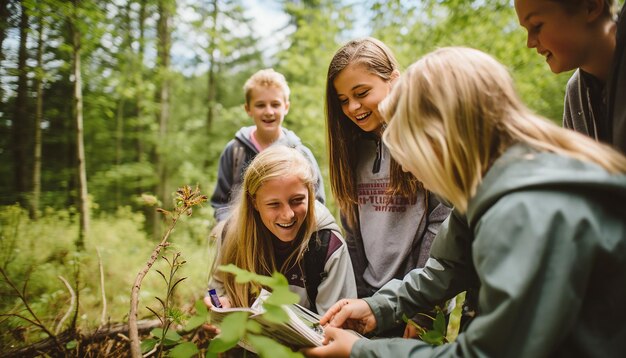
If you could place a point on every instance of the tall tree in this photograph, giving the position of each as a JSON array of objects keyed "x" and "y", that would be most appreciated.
[
  {"x": 21, "y": 123},
  {"x": 39, "y": 76},
  {"x": 165, "y": 11},
  {"x": 81, "y": 171}
]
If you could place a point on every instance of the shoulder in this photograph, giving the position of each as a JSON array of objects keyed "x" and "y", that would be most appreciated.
[{"x": 573, "y": 84}]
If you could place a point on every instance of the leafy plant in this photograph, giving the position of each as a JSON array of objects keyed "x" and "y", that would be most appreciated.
[
  {"x": 186, "y": 199},
  {"x": 236, "y": 325},
  {"x": 442, "y": 331}
]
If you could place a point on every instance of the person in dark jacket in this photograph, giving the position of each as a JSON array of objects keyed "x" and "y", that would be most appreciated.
[
  {"x": 267, "y": 103},
  {"x": 576, "y": 35},
  {"x": 539, "y": 225}
]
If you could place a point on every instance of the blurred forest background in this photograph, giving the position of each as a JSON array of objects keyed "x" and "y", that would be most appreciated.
[{"x": 107, "y": 105}]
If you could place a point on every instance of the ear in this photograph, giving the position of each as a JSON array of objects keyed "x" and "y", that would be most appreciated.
[
  {"x": 253, "y": 201},
  {"x": 595, "y": 9},
  {"x": 246, "y": 106},
  {"x": 287, "y": 104}
]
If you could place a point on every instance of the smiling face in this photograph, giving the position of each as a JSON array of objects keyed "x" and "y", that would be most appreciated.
[
  {"x": 267, "y": 107},
  {"x": 563, "y": 37},
  {"x": 283, "y": 204},
  {"x": 359, "y": 92}
]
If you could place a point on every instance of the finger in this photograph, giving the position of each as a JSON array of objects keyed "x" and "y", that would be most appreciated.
[
  {"x": 342, "y": 315},
  {"x": 406, "y": 334},
  {"x": 207, "y": 302},
  {"x": 332, "y": 311},
  {"x": 329, "y": 334}
]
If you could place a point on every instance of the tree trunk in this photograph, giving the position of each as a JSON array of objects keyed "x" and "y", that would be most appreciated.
[
  {"x": 4, "y": 25},
  {"x": 83, "y": 205},
  {"x": 212, "y": 69},
  {"x": 21, "y": 119},
  {"x": 36, "y": 193},
  {"x": 163, "y": 92}
]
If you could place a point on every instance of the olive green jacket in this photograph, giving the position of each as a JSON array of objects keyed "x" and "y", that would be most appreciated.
[{"x": 544, "y": 241}]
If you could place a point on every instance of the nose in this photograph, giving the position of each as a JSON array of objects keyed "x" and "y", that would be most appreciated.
[
  {"x": 287, "y": 213},
  {"x": 531, "y": 41},
  {"x": 354, "y": 105}
]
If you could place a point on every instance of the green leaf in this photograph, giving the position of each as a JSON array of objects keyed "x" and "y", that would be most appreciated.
[
  {"x": 148, "y": 344},
  {"x": 243, "y": 276},
  {"x": 173, "y": 335},
  {"x": 195, "y": 322},
  {"x": 201, "y": 308},
  {"x": 281, "y": 295},
  {"x": 268, "y": 348},
  {"x": 233, "y": 328},
  {"x": 253, "y": 327},
  {"x": 71, "y": 344},
  {"x": 275, "y": 314},
  {"x": 157, "y": 332},
  {"x": 184, "y": 350},
  {"x": 433, "y": 338},
  {"x": 440, "y": 323}
]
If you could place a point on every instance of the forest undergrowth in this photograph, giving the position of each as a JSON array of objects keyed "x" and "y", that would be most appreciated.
[{"x": 47, "y": 284}]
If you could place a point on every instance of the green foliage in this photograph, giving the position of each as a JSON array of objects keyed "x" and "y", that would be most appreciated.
[
  {"x": 236, "y": 327},
  {"x": 441, "y": 331},
  {"x": 38, "y": 251}
]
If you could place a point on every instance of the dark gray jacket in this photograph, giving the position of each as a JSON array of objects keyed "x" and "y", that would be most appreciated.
[{"x": 236, "y": 156}]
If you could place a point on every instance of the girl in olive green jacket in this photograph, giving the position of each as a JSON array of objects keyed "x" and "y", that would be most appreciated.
[{"x": 539, "y": 226}]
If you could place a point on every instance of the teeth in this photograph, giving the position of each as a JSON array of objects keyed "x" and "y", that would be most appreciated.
[
  {"x": 362, "y": 116},
  {"x": 286, "y": 225}
]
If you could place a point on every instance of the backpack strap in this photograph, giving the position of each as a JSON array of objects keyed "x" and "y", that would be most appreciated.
[
  {"x": 239, "y": 152},
  {"x": 314, "y": 262}
]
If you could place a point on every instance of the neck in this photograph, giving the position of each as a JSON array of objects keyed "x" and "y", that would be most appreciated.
[
  {"x": 264, "y": 139},
  {"x": 602, "y": 54}
]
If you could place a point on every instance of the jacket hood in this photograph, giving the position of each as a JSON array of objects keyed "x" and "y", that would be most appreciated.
[
  {"x": 523, "y": 168},
  {"x": 288, "y": 138},
  {"x": 324, "y": 218}
]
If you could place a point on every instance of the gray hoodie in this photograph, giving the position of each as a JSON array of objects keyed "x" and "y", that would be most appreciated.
[{"x": 230, "y": 162}]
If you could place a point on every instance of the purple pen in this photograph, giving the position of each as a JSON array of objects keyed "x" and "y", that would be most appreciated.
[{"x": 214, "y": 299}]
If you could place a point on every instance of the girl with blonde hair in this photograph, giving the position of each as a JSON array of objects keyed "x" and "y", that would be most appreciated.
[
  {"x": 539, "y": 225},
  {"x": 277, "y": 225}
]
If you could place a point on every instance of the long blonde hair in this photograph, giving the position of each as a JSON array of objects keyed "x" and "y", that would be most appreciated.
[
  {"x": 248, "y": 243},
  {"x": 455, "y": 111},
  {"x": 343, "y": 135}
]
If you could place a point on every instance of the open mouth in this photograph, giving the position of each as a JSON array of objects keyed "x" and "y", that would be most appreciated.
[
  {"x": 363, "y": 116},
  {"x": 268, "y": 121},
  {"x": 286, "y": 226}
]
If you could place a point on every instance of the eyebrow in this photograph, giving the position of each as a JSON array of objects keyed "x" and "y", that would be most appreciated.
[
  {"x": 353, "y": 88},
  {"x": 532, "y": 13}
]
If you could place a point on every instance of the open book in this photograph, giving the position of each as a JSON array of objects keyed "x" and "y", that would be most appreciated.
[{"x": 302, "y": 329}]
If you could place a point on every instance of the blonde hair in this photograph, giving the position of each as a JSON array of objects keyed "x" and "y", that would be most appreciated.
[
  {"x": 343, "y": 135},
  {"x": 456, "y": 111},
  {"x": 248, "y": 243},
  {"x": 266, "y": 78}
]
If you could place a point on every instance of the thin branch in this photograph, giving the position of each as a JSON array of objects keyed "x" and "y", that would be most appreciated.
[
  {"x": 104, "y": 296},
  {"x": 35, "y": 321},
  {"x": 70, "y": 309}
]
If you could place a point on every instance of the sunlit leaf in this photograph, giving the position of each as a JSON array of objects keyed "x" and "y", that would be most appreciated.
[
  {"x": 281, "y": 295},
  {"x": 268, "y": 348},
  {"x": 184, "y": 350},
  {"x": 148, "y": 344},
  {"x": 233, "y": 328}
]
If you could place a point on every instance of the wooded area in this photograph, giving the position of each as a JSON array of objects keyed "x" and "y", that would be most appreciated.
[{"x": 100, "y": 112}]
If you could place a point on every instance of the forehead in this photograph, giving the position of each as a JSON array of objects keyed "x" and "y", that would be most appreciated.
[
  {"x": 282, "y": 187},
  {"x": 526, "y": 9},
  {"x": 266, "y": 93},
  {"x": 353, "y": 76}
]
